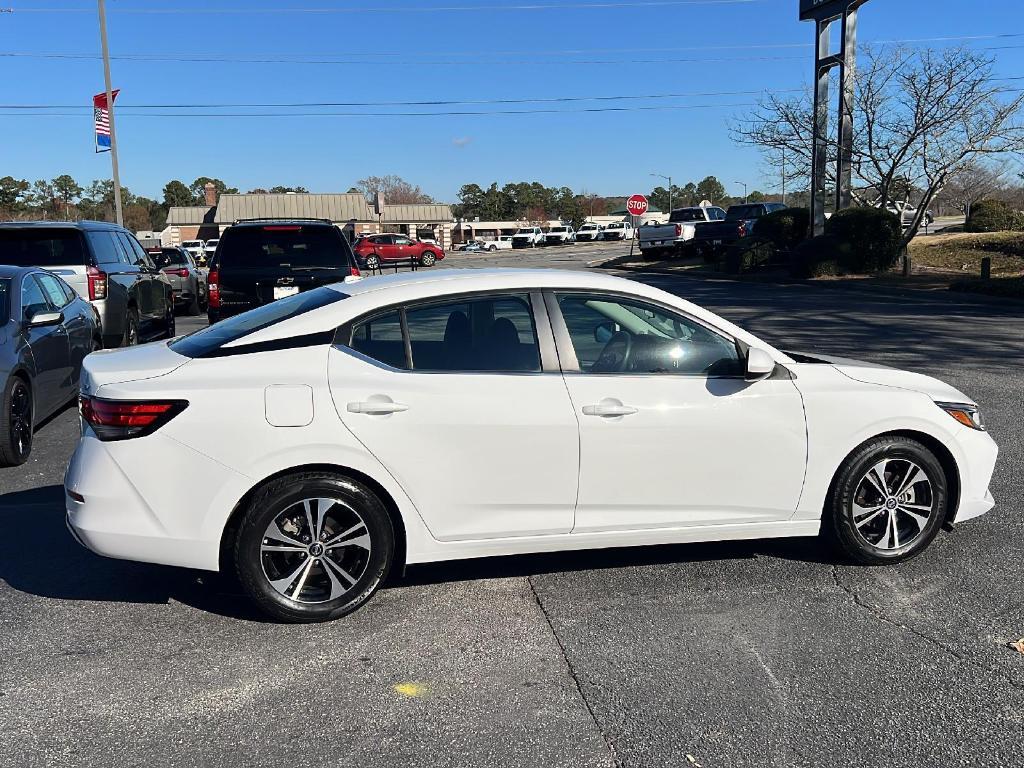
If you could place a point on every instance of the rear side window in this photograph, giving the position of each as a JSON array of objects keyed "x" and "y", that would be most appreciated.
[
  {"x": 284, "y": 246},
  {"x": 5, "y": 298},
  {"x": 105, "y": 250},
  {"x": 41, "y": 247},
  {"x": 207, "y": 341},
  {"x": 380, "y": 338}
]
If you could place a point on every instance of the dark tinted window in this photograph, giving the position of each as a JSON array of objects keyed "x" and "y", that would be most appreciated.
[
  {"x": 32, "y": 298},
  {"x": 41, "y": 247},
  {"x": 277, "y": 246},
  {"x": 129, "y": 252},
  {"x": 381, "y": 338},
  {"x": 53, "y": 290},
  {"x": 479, "y": 334},
  {"x": 105, "y": 250},
  {"x": 687, "y": 214},
  {"x": 211, "y": 338},
  {"x": 745, "y": 212},
  {"x": 611, "y": 335},
  {"x": 69, "y": 292},
  {"x": 5, "y": 298},
  {"x": 136, "y": 252},
  {"x": 169, "y": 257}
]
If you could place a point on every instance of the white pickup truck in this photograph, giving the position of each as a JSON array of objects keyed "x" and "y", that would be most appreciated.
[
  {"x": 619, "y": 230},
  {"x": 562, "y": 235},
  {"x": 669, "y": 239}
]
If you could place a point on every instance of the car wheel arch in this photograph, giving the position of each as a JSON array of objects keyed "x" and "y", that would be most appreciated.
[
  {"x": 932, "y": 443},
  {"x": 234, "y": 520}
]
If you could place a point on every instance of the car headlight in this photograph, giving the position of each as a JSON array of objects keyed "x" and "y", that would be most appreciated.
[{"x": 965, "y": 413}]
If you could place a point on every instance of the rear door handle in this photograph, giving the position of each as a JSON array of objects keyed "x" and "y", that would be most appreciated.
[
  {"x": 376, "y": 407},
  {"x": 609, "y": 409}
]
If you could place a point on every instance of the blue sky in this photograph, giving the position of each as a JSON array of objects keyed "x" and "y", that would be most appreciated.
[{"x": 415, "y": 54}]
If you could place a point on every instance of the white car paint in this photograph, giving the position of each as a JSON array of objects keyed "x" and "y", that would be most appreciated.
[
  {"x": 528, "y": 237},
  {"x": 619, "y": 230},
  {"x": 490, "y": 463}
]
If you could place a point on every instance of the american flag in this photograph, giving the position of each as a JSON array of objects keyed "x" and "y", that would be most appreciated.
[{"x": 101, "y": 120}]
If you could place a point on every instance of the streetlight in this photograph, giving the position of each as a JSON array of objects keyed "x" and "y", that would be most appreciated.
[
  {"x": 669, "y": 178},
  {"x": 744, "y": 189}
]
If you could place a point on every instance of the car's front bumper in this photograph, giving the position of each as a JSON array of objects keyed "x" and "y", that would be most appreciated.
[{"x": 976, "y": 468}]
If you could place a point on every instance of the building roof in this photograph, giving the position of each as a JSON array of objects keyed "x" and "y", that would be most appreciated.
[
  {"x": 622, "y": 211},
  {"x": 189, "y": 214},
  {"x": 338, "y": 208},
  {"x": 418, "y": 213}
]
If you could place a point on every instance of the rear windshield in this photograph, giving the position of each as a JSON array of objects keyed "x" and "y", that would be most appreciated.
[
  {"x": 284, "y": 245},
  {"x": 41, "y": 247},
  {"x": 687, "y": 214},
  {"x": 167, "y": 257},
  {"x": 5, "y": 299},
  {"x": 192, "y": 244},
  {"x": 207, "y": 340},
  {"x": 744, "y": 212}
]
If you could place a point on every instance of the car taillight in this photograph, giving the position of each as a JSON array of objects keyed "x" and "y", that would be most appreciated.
[
  {"x": 354, "y": 271},
  {"x": 213, "y": 289},
  {"x": 679, "y": 230},
  {"x": 124, "y": 419},
  {"x": 179, "y": 272},
  {"x": 741, "y": 230},
  {"x": 97, "y": 283}
]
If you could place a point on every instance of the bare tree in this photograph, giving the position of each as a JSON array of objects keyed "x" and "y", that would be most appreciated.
[
  {"x": 396, "y": 190},
  {"x": 973, "y": 183},
  {"x": 920, "y": 117}
]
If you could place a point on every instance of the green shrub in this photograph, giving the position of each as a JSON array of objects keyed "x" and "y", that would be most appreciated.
[
  {"x": 816, "y": 257},
  {"x": 994, "y": 216},
  {"x": 867, "y": 239},
  {"x": 749, "y": 253},
  {"x": 786, "y": 228}
]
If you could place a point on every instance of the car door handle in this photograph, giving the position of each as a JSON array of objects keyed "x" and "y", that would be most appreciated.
[
  {"x": 608, "y": 409},
  {"x": 376, "y": 407}
]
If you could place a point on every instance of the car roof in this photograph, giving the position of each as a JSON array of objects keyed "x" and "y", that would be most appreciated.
[
  {"x": 8, "y": 271},
  {"x": 83, "y": 225},
  {"x": 487, "y": 279},
  {"x": 283, "y": 220}
]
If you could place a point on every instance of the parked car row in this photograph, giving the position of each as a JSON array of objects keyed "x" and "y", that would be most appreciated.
[{"x": 707, "y": 229}]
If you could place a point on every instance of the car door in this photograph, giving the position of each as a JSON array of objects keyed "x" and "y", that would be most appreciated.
[
  {"x": 384, "y": 247},
  {"x": 404, "y": 248},
  {"x": 671, "y": 433},
  {"x": 76, "y": 327},
  {"x": 457, "y": 401},
  {"x": 148, "y": 285},
  {"x": 50, "y": 350}
]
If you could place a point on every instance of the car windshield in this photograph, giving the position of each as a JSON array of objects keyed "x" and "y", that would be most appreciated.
[
  {"x": 559, "y": 229},
  {"x": 207, "y": 340},
  {"x": 167, "y": 257},
  {"x": 687, "y": 214},
  {"x": 525, "y": 231},
  {"x": 5, "y": 298},
  {"x": 41, "y": 247},
  {"x": 212, "y": 243},
  {"x": 192, "y": 244},
  {"x": 744, "y": 212},
  {"x": 275, "y": 246}
]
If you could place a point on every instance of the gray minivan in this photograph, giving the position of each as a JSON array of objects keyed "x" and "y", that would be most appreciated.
[{"x": 105, "y": 264}]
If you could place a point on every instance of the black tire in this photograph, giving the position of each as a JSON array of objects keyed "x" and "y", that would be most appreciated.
[
  {"x": 194, "y": 309},
  {"x": 273, "y": 503},
  {"x": 131, "y": 328},
  {"x": 874, "y": 529},
  {"x": 427, "y": 258},
  {"x": 492, "y": 247},
  {"x": 373, "y": 262},
  {"x": 169, "y": 320},
  {"x": 204, "y": 300},
  {"x": 16, "y": 422}
]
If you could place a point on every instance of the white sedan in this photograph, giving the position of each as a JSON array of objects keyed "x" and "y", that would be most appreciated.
[{"x": 352, "y": 429}]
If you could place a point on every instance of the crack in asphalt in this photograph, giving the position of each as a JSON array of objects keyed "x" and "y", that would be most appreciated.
[
  {"x": 871, "y": 610},
  {"x": 606, "y": 737}
]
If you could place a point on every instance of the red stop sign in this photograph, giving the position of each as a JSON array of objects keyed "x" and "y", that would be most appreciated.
[{"x": 636, "y": 205}]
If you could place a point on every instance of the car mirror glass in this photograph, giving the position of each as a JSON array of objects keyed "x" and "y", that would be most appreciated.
[{"x": 44, "y": 318}]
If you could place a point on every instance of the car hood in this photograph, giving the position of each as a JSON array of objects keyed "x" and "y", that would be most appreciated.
[
  {"x": 116, "y": 366},
  {"x": 872, "y": 373}
]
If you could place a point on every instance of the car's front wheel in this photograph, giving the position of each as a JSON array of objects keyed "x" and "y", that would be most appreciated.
[
  {"x": 16, "y": 423},
  {"x": 372, "y": 262},
  {"x": 428, "y": 258},
  {"x": 313, "y": 547},
  {"x": 889, "y": 501}
]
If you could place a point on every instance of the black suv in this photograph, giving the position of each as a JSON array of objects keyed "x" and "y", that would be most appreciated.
[
  {"x": 261, "y": 260},
  {"x": 105, "y": 264}
]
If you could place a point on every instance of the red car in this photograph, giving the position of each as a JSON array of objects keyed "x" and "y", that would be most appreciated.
[{"x": 374, "y": 250}]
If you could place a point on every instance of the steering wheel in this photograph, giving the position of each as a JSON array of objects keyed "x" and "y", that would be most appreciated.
[{"x": 615, "y": 355}]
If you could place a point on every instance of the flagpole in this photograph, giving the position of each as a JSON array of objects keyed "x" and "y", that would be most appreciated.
[{"x": 110, "y": 112}]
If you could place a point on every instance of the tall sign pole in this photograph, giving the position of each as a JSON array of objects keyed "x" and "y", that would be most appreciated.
[
  {"x": 110, "y": 107},
  {"x": 823, "y": 13}
]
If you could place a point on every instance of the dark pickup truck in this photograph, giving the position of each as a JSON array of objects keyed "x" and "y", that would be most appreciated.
[{"x": 713, "y": 236}]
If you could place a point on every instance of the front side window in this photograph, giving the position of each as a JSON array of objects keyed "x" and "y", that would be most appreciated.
[
  {"x": 612, "y": 335},
  {"x": 5, "y": 298},
  {"x": 53, "y": 290},
  {"x": 33, "y": 300}
]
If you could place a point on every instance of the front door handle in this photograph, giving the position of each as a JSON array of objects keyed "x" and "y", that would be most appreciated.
[
  {"x": 609, "y": 408},
  {"x": 376, "y": 407}
]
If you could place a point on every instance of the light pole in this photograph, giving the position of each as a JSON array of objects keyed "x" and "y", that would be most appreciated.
[
  {"x": 110, "y": 112},
  {"x": 744, "y": 189},
  {"x": 669, "y": 179}
]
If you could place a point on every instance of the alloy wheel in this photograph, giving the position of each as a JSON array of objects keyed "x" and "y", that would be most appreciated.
[
  {"x": 893, "y": 504},
  {"x": 21, "y": 418},
  {"x": 315, "y": 550}
]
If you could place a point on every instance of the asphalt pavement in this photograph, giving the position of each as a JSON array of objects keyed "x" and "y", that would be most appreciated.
[{"x": 731, "y": 654}]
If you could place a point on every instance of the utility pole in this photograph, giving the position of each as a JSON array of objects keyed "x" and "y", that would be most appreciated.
[
  {"x": 669, "y": 179},
  {"x": 744, "y": 189},
  {"x": 110, "y": 112},
  {"x": 783, "y": 175}
]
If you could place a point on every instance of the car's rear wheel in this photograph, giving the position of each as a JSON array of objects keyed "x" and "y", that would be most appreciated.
[
  {"x": 373, "y": 262},
  {"x": 131, "y": 328},
  {"x": 313, "y": 547},
  {"x": 428, "y": 258},
  {"x": 169, "y": 320},
  {"x": 16, "y": 423},
  {"x": 889, "y": 501}
]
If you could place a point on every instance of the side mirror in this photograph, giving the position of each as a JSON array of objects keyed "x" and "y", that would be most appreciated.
[
  {"x": 42, "y": 319},
  {"x": 603, "y": 332},
  {"x": 760, "y": 364}
]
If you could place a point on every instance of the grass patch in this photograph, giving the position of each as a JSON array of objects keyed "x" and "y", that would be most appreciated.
[{"x": 961, "y": 253}]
